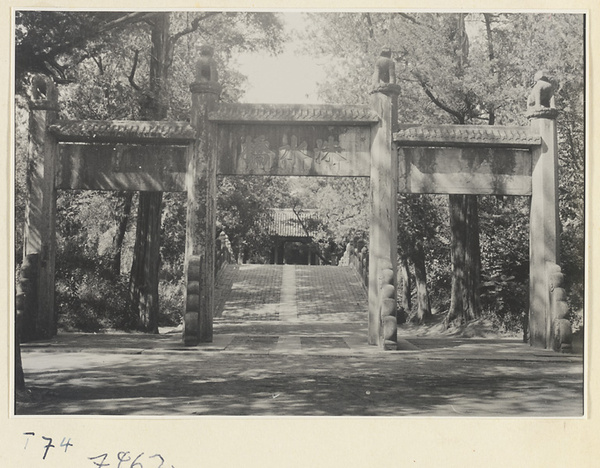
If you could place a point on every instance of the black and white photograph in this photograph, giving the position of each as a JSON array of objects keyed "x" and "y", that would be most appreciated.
[
  {"x": 370, "y": 217},
  {"x": 274, "y": 213}
]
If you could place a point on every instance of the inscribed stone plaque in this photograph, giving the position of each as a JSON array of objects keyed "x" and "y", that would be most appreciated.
[
  {"x": 469, "y": 171},
  {"x": 294, "y": 150},
  {"x": 122, "y": 167}
]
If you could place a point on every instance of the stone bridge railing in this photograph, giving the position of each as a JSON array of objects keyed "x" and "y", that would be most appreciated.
[
  {"x": 224, "y": 253},
  {"x": 357, "y": 257}
]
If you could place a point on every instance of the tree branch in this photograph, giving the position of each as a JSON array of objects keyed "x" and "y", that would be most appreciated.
[
  {"x": 127, "y": 19},
  {"x": 413, "y": 20},
  {"x": 192, "y": 27},
  {"x": 133, "y": 69},
  {"x": 98, "y": 62},
  {"x": 370, "y": 25},
  {"x": 305, "y": 229},
  {"x": 457, "y": 115}
]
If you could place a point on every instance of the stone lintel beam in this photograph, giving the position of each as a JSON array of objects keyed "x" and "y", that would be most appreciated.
[
  {"x": 294, "y": 114},
  {"x": 467, "y": 135},
  {"x": 123, "y": 131}
]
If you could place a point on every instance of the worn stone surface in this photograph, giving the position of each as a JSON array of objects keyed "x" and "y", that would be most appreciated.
[
  {"x": 201, "y": 188},
  {"x": 123, "y": 131},
  {"x": 39, "y": 238},
  {"x": 384, "y": 220},
  {"x": 254, "y": 294},
  {"x": 293, "y": 113},
  {"x": 469, "y": 170},
  {"x": 467, "y": 135},
  {"x": 544, "y": 228},
  {"x": 206, "y": 66},
  {"x": 330, "y": 294},
  {"x": 540, "y": 102},
  {"x": 301, "y": 150},
  {"x": 385, "y": 69},
  {"x": 122, "y": 167},
  {"x": 270, "y": 293}
]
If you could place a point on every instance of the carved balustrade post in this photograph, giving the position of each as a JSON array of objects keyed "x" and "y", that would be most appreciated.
[
  {"x": 36, "y": 291},
  {"x": 201, "y": 187},
  {"x": 384, "y": 218}
]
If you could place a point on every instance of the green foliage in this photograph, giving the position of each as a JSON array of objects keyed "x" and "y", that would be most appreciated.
[
  {"x": 243, "y": 213},
  {"x": 50, "y": 42},
  {"x": 342, "y": 205},
  {"x": 172, "y": 300},
  {"x": 504, "y": 244},
  {"x": 172, "y": 236},
  {"x": 482, "y": 78},
  {"x": 20, "y": 176},
  {"x": 92, "y": 55},
  {"x": 485, "y": 82},
  {"x": 89, "y": 298}
]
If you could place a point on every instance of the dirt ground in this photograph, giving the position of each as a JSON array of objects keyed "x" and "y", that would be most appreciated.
[{"x": 435, "y": 375}]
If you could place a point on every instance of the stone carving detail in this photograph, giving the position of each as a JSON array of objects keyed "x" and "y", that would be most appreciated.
[
  {"x": 387, "y": 307},
  {"x": 384, "y": 76},
  {"x": 122, "y": 130},
  {"x": 43, "y": 93},
  {"x": 561, "y": 327},
  {"x": 292, "y": 157},
  {"x": 540, "y": 102},
  {"x": 446, "y": 135},
  {"x": 329, "y": 157},
  {"x": 234, "y": 112},
  {"x": 194, "y": 277},
  {"x": 256, "y": 157},
  {"x": 385, "y": 68},
  {"x": 206, "y": 66}
]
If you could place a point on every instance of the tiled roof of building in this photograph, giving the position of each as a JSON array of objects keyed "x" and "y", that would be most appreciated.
[{"x": 286, "y": 223}]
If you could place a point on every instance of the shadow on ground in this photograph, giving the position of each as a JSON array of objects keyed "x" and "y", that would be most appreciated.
[{"x": 463, "y": 382}]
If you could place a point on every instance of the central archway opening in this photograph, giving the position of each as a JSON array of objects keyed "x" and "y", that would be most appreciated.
[{"x": 289, "y": 274}]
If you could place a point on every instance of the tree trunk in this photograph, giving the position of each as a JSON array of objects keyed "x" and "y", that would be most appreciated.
[
  {"x": 143, "y": 282},
  {"x": 121, "y": 230},
  {"x": 464, "y": 226},
  {"x": 143, "y": 285},
  {"x": 424, "y": 308},
  {"x": 472, "y": 258},
  {"x": 405, "y": 288},
  {"x": 19, "y": 375}
]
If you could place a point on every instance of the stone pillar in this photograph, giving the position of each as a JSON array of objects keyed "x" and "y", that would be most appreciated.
[
  {"x": 384, "y": 217},
  {"x": 544, "y": 221},
  {"x": 201, "y": 187},
  {"x": 36, "y": 290}
]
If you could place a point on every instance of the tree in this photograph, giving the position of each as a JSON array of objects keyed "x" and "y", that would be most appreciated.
[
  {"x": 155, "y": 106},
  {"x": 457, "y": 68},
  {"x": 243, "y": 212},
  {"x": 53, "y": 42},
  {"x": 109, "y": 69}
]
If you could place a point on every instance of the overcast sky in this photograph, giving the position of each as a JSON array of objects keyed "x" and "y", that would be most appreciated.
[{"x": 289, "y": 77}]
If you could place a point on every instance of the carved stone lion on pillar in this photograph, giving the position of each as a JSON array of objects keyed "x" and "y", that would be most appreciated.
[
  {"x": 540, "y": 102},
  {"x": 206, "y": 66}
]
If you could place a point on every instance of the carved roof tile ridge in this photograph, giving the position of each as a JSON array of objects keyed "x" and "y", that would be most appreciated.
[
  {"x": 451, "y": 135},
  {"x": 122, "y": 130},
  {"x": 258, "y": 113}
]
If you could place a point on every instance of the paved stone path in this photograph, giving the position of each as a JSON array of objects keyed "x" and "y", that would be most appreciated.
[
  {"x": 291, "y": 308},
  {"x": 292, "y": 341}
]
